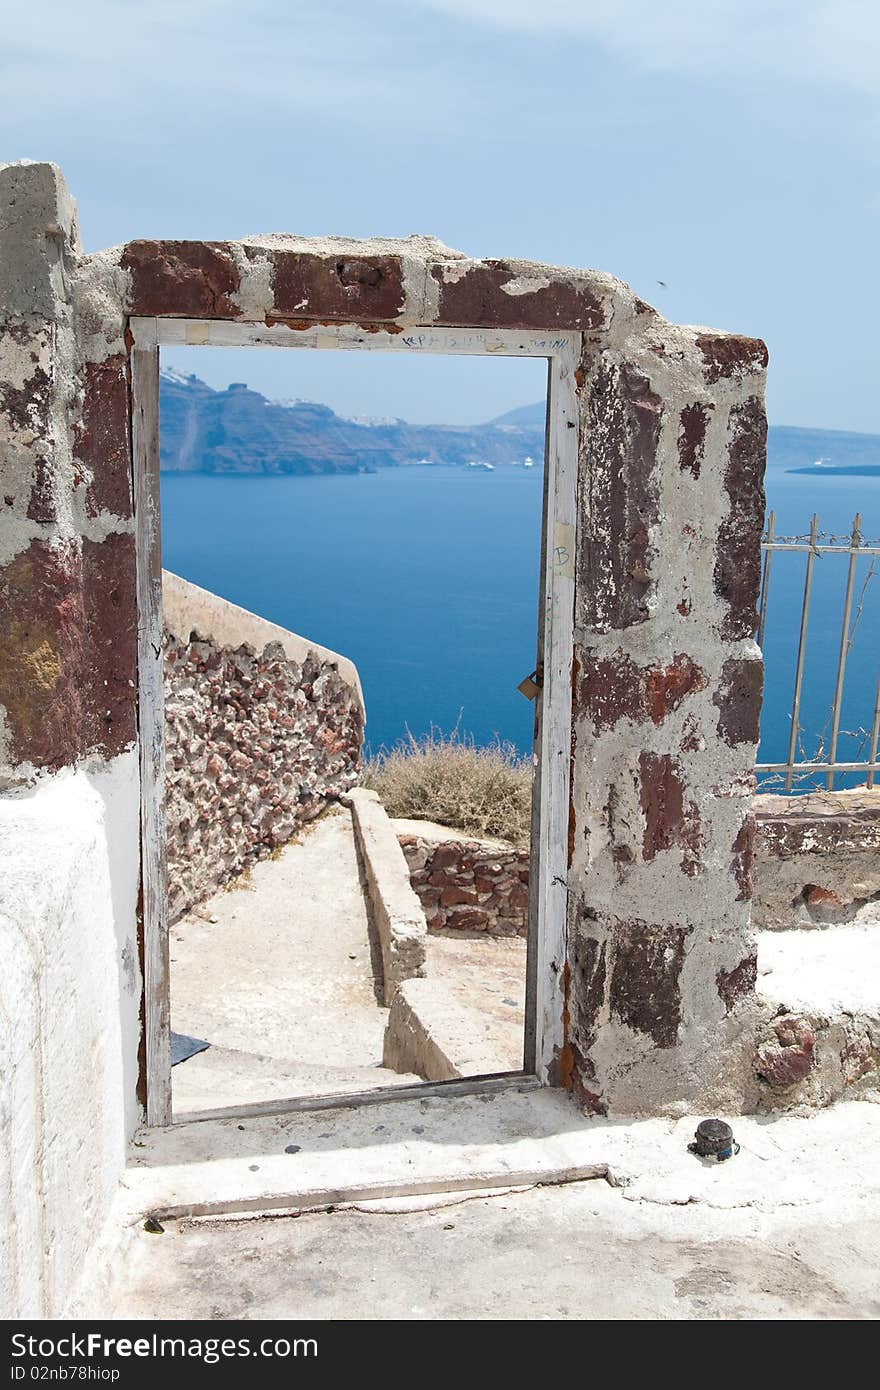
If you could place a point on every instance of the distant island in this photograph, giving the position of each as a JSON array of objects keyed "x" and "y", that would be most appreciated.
[
  {"x": 840, "y": 470},
  {"x": 824, "y": 453},
  {"x": 239, "y": 431}
]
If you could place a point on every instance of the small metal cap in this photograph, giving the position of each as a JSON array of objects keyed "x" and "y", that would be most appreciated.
[{"x": 714, "y": 1139}]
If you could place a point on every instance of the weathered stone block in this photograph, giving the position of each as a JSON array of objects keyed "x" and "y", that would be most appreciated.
[
  {"x": 358, "y": 289},
  {"x": 501, "y": 294},
  {"x": 184, "y": 279},
  {"x": 621, "y": 495}
]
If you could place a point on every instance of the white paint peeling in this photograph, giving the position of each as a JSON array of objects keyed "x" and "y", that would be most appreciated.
[
  {"x": 523, "y": 284},
  {"x": 255, "y": 292}
]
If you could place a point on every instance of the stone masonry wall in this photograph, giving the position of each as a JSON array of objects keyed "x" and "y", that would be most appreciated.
[
  {"x": 650, "y": 1005},
  {"x": 816, "y": 862},
  {"x": 652, "y": 999},
  {"x": 817, "y": 857},
  {"x": 470, "y": 885},
  {"x": 667, "y": 683},
  {"x": 70, "y": 987},
  {"x": 258, "y": 742}
]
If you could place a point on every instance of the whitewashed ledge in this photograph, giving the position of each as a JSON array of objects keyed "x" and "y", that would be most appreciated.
[
  {"x": 189, "y": 610},
  {"x": 394, "y": 906}
]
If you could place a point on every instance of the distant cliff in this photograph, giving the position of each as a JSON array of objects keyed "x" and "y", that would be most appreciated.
[{"x": 240, "y": 431}]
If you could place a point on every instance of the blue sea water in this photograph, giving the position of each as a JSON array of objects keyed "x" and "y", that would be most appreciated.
[
  {"x": 428, "y": 579},
  {"x": 836, "y": 500}
]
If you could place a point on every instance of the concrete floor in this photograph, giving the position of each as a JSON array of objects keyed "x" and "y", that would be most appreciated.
[
  {"x": 829, "y": 970},
  {"x": 283, "y": 984},
  {"x": 790, "y": 1230},
  {"x": 278, "y": 975},
  {"x": 487, "y": 976}
]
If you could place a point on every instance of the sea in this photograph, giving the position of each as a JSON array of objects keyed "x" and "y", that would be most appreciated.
[{"x": 427, "y": 578}]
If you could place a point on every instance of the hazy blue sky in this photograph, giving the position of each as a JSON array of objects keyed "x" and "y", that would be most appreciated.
[{"x": 726, "y": 147}]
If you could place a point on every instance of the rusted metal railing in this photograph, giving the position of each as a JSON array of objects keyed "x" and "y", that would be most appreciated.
[{"x": 817, "y": 545}]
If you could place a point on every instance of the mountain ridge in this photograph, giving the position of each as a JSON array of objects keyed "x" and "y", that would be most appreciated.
[{"x": 240, "y": 431}]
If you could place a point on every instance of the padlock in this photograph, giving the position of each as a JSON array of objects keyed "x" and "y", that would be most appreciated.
[{"x": 529, "y": 687}]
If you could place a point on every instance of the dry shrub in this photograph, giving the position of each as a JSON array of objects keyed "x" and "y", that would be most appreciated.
[{"x": 447, "y": 778}]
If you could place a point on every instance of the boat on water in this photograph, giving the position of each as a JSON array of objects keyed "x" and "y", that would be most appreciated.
[{"x": 481, "y": 466}]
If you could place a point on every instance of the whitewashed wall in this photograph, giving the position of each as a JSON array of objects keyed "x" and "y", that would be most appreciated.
[{"x": 69, "y": 1027}]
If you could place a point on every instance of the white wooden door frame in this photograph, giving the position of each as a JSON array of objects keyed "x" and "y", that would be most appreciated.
[{"x": 549, "y": 894}]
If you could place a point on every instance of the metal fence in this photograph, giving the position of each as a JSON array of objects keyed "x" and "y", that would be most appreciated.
[{"x": 797, "y": 767}]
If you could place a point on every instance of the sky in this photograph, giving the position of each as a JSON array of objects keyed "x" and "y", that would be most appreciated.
[{"x": 728, "y": 149}]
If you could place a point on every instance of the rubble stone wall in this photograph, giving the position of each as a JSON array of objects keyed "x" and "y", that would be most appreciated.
[
  {"x": 469, "y": 885},
  {"x": 816, "y": 862},
  {"x": 262, "y": 730}
]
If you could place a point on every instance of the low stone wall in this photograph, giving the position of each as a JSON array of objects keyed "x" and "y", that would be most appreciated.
[
  {"x": 466, "y": 884},
  {"x": 262, "y": 731},
  {"x": 396, "y": 913},
  {"x": 817, "y": 861},
  {"x": 817, "y": 857},
  {"x": 807, "y": 1060},
  {"x": 435, "y": 1034}
]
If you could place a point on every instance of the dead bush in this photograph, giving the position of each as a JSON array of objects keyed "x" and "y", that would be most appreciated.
[{"x": 447, "y": 778}]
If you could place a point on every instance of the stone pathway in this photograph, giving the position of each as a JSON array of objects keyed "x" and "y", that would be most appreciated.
[
  {"x": 487, "y": 975},
  {"x": 277, "y": 974}
]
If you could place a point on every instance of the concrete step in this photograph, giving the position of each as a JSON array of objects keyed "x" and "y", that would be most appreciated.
[
  {"x": 515, "y": 1135},
  {"x": 466, "y": 1018},
  {"x": 224, "y": 1077}
]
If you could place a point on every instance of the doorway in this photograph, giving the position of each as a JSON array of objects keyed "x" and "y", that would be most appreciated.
[{"x": 551, "y": 677}]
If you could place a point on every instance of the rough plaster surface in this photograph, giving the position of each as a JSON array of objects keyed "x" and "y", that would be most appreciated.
[
  {"x": 69, "y": 1024},
  {"x": 262, "y": 728},
  {"x": 67, "y": 605},
  {"x": 464, "y": 883},
  {"x": 395, "y": 910},
  {"x": 660, "y": 971},
  {"x": 69, "y": 1019}
]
